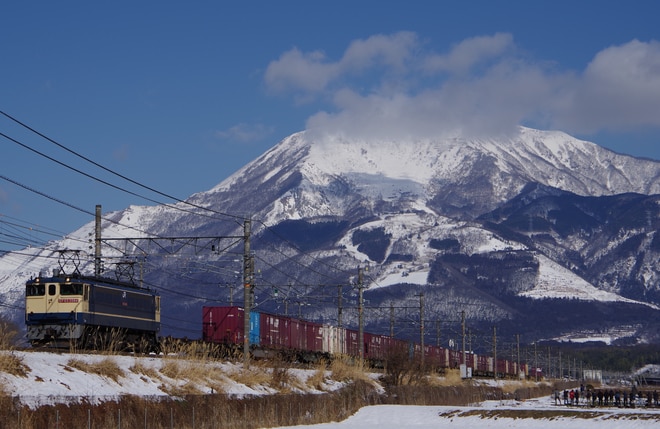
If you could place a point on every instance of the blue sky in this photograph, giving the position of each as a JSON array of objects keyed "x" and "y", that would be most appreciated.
[{"x": 177, "y": 96}]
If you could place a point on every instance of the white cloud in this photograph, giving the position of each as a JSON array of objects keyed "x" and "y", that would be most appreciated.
[
  {"x": 620, "y": 89},
  {"x": 469, "y": 53},
  {"x": 299, "y": 71},
  {"x": 312, "y": 72},
  {"x": 391, "y": 86},
  {"x": 390, "y": 51}
]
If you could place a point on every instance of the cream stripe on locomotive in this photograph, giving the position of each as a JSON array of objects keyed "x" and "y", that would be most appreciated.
[{"x": 116, "y": 316}]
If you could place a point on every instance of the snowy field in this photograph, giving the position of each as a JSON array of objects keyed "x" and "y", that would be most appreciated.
[
  {"x": 53, "y": 378},
  {"x": 536, "y": 414}
]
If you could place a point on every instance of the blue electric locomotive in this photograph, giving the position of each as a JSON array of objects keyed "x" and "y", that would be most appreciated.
[{"x": 89, "y": 312}]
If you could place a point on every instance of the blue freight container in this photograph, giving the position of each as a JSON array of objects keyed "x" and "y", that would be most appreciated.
[{"x": 255, "y": 327}]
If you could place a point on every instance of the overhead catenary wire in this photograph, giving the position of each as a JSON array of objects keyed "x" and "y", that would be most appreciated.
[
  {"x": 141, "y": 185},
  {"x": 297, "y": 258},
  {"x": 125, "y": 178},
  {"x": 129, "y": 179}
]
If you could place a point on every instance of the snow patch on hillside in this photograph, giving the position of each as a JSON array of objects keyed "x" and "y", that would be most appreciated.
[{"x": 555, "y": 281}]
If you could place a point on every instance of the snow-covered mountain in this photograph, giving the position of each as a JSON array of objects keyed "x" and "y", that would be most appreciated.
[
  {"x": 447, "y": 176},
  {"x": 514, "y": 231}
]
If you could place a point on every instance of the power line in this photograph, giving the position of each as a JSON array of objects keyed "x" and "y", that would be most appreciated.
[
  {"x": 179, "y": 200},
  {"x": 100, "y": 180},
  {"x": 127, "y": 179},
  {"x": 151, "y": 189}
]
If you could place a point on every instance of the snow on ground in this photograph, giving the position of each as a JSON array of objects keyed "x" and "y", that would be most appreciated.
[
  {"x": 54, "y": 378},
  {"x": 537, "y": 413},
  {"x": 58, "y": 378}
]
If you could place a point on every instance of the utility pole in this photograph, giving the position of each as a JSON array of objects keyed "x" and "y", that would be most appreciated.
[
  {"x": 231, "y": 294},
  {"x": 97, "y": 242},
  {"x": 248, "y": 270},
  {"x": 469, "y": 337},
  {"x": 391, "y": 320},
  {"x": 518, "y": 348},
  {"x": 339, "y": 307},
  {"x": 360, "y": 316},
  {"x": 463, "y": 361},
  {"x": 581, "y": 370},
  {"x": 421, "y": 327},
  {"x": 495, "y": 352},
  {"x": 536, "y": 364}
]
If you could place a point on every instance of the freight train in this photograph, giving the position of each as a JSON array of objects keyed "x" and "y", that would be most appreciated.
[
  {"x": 304, "y": 340},
  {"x": 90, "y": 312}
]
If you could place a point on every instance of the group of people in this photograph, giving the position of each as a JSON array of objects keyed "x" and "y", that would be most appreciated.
[{"x": 607, "y": 397}]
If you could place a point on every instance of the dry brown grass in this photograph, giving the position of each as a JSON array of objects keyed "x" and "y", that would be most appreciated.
[
  {"x": 177, "y": 390},
  {"x": 106, "y": 367},
  {"x": 12, "y": 364},
  {"x": 184, "y": 370},
  {"x": 281, "y": 379},
  {"x": 198, "y": 411},
  {"x": 317, "y": 379},
  {"x": 198, "y": 351},
  {"x": 257, "y": 375},
  {"x": 148, "y": 371},
  {"x": 513, "y": 386},
  {"x": 171, "y": 369},
  {"x": 451, "y": 377},
  {"x": 188, "y": 377},
  {"x": 346, "y": 369},
  {"x": 8, "y": 335}
]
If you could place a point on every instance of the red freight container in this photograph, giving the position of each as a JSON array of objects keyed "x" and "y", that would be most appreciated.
[
  {"x": 454, "y": 358},
  {"x": 297, "y": 338},
  {"x": 298, "y": 335},
  {"x": 352, "y": 339},
  {"x": 469, "y": 359},
  {"x": 314, "y": 336},
  {"x": 370, "y": 346},
  {"x": 306, "y": 335},
  {"x": 502, "y": 367},
  {"x": 223, "y": 324},
  {"x": 393, "y": 346},
  {"x": 433, "y": 355},
  {"x": 482, "y": 365},
  {"x": 275, "y": 331}
]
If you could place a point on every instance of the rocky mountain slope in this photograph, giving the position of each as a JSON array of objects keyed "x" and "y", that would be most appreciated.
[{"x": 537, "y": 233}]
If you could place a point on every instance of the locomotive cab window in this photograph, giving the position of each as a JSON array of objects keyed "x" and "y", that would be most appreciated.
[
  {"x": 71, "y": 289},
  {"x": 35, "y": 290},
  {"x": 52, "y": 289}
]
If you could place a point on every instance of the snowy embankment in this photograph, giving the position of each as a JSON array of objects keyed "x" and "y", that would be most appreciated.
[
  {"x": 46, "y": 378},
  {"x": 40, "y": 378}
]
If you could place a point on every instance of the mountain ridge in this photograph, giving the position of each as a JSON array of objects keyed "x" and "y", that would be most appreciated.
[
  {"x": 473, "y": 220},
  {"x": 325, "y": 169}
]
